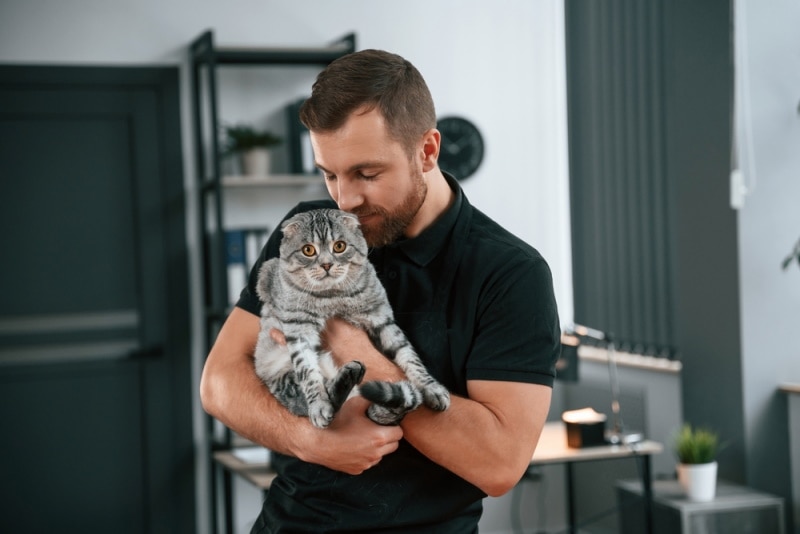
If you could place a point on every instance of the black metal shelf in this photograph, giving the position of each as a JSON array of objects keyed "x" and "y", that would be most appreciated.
[{"x": 206, "y": 57}]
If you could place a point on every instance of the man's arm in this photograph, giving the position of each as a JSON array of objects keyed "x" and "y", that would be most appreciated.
[
  {"x": 487, "y": 439},
  {"x": 232, "y": 392}
]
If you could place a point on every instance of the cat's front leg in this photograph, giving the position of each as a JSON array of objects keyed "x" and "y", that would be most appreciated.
[
  {"x": 305, "y": 360},
  {"x": 434, "y": 395},
  {"x": 393, "y": 343}
]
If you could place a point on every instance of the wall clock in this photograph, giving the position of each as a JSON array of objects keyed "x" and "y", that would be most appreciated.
[{"x": 461, "y": 152}]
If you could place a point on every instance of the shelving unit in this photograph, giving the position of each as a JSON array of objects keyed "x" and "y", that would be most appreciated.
[
  {"x": 206, "y": 58},
  {"x": 273, "y": 180}
]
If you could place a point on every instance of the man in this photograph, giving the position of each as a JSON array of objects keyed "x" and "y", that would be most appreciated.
[{"x": 476, "y": 302}]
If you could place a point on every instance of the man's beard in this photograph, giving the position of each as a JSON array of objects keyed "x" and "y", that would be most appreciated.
[{"x": 390, "y": 226}]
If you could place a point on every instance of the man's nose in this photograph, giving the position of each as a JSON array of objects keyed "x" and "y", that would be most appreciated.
[{"x": 348, "y": 195}]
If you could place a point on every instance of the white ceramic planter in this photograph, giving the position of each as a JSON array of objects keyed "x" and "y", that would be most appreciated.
[
  {"x": 255, "y": 162},
  {"x": 699, "y": 481}
]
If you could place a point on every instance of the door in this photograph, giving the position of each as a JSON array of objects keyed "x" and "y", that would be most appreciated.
[{"x": 95, "y": 400}]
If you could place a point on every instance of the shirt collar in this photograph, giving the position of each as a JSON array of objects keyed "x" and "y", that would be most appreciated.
[{"x": 424, "y": 247}]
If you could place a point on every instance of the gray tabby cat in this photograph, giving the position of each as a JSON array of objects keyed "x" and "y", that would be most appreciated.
[{"x": 322, "y": 272}]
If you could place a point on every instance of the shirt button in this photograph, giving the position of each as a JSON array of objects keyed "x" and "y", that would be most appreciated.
[{"x": 392, "y": 275}]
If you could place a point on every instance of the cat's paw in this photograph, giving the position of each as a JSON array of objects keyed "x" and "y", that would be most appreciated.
[
  {"x": 320, "y": 413},
  {"x": 386, "y": 416},
  {"x": 355, "y": 371},
  {"x": 436, "y": 397}
]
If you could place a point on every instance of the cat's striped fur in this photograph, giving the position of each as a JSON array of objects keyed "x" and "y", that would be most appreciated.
[{"x": 322, "y": 272}]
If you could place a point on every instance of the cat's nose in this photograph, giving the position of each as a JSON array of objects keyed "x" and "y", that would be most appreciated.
[{"x": 326, "y": 266}]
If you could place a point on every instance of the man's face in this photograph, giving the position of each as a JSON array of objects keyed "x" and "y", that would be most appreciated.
[{"x": 370, "y": 175}]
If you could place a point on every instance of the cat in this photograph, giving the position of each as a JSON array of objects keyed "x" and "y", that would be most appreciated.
[{"x": 322, "y": 272}]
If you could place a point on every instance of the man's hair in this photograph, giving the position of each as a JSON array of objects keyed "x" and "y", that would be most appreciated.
[{"x": 371, "y": 79}]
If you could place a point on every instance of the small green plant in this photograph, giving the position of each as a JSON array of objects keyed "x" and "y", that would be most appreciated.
[
  {"x": 241, "y": 137},
  {"x": 698, "y": 446}
]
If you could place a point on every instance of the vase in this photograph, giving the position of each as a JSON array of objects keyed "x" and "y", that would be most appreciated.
[
  {"x": 255, "y": 162},
  {"x": 699, "y": 481}
]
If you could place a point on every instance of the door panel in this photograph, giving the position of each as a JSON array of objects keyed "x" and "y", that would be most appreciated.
[
  {"x": 70, "y": 206},
  {"x": 94, "y": 370},
  {"x": 76, "y": 460}
]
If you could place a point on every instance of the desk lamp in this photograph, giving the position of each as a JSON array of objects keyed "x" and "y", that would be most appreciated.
[{"x": 617, "y": 435}]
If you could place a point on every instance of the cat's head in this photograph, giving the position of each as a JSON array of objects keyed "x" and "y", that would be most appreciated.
[{"x": 323, "y": 249}]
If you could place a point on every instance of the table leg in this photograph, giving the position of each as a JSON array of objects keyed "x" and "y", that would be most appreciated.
[
  {"x": 647, "y": 486},
  {"x": 227, "y": 481},
  {"x": 570, "y": 500}
]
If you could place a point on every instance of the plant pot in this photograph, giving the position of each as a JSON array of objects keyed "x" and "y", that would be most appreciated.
[
  {"x": 255, "y": 162},
  {"x": 699, "y": 481}
]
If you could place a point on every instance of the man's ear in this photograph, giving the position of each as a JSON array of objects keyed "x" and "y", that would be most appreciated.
[{"x": 431, "y": 143}]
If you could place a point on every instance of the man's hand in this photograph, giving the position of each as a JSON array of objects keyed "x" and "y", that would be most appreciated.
[
  {"x": 277, "y": 336},
  {"x": 352, "y": 443}
]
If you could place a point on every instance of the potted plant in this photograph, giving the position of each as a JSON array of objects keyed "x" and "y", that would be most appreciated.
[
  {"x": 696, "y": 450},
  {"x": 252, "y": 146}
]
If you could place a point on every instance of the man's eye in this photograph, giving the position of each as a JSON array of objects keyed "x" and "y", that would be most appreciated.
[
  {"x": 329, "y": 177},
  {"x": 365, "y": 176},
  {"x": 309, "y": 250}
]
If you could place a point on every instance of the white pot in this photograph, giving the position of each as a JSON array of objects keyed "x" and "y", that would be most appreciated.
[
  {"x": 255, "y": 162},
  {"x": 699, "y": 481}
]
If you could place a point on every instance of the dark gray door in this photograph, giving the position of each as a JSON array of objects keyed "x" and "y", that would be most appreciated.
[{"x": 94, "y": 345}]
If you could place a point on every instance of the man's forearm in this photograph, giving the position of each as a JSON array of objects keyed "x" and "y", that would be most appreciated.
[{"x": 487, "y": 443}]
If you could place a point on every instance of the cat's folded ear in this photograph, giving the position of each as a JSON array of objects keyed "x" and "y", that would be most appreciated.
[
  {"x": 350, "y": 220},
  {"x": 290, "y": 226}
]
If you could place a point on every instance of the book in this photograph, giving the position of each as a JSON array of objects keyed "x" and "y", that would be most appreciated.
[{"x": 242, "y": 249}]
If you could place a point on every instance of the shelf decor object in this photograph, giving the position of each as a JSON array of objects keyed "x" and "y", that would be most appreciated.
[
  {"x": 252, "y": 146},
  {"x": 697, "y": 468}
]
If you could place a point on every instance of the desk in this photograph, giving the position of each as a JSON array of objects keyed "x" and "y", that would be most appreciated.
[
  {"x": 258, "y": 473},
  {"x": 552, "y": 449}
]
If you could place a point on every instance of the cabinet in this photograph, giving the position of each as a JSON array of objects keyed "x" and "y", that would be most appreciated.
[
  {"x": 206, "y": 59},
  {"x": 735, "y": 510}
]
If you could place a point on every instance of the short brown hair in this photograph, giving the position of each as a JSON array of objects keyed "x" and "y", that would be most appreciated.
[{"x": 371, "y": 79}]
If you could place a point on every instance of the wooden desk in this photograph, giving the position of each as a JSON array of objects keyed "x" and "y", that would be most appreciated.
[
  {"x": 552, "y": 449},
  {"x": 258, "y": 473}
]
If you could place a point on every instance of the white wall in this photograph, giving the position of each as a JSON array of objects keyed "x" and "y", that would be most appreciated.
[
  {"x": 769, "y": 226},
  {"x": 500, "y": 64}
]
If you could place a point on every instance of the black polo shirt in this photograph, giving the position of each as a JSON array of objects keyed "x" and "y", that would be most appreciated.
[{"x": 477, "y": 303}]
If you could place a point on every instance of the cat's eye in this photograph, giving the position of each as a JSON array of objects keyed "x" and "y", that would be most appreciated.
[
  {"x": 339, "y": 247},
  {"x": 308, "y": 250}
]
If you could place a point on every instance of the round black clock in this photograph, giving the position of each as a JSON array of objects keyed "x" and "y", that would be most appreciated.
[{"x": 461, "y": 152}]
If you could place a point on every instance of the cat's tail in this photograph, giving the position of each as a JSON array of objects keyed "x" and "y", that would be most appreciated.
[{"x": 401, "y": 395}]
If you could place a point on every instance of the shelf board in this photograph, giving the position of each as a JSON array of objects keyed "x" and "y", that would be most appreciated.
[
  {"x": 204, "y": 50},
  {"x": 236, "y": 55},
  {"x": 273, "y": 180}
]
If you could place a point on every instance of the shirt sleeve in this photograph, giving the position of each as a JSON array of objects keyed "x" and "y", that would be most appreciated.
[{"x": 518, "y": 332}]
